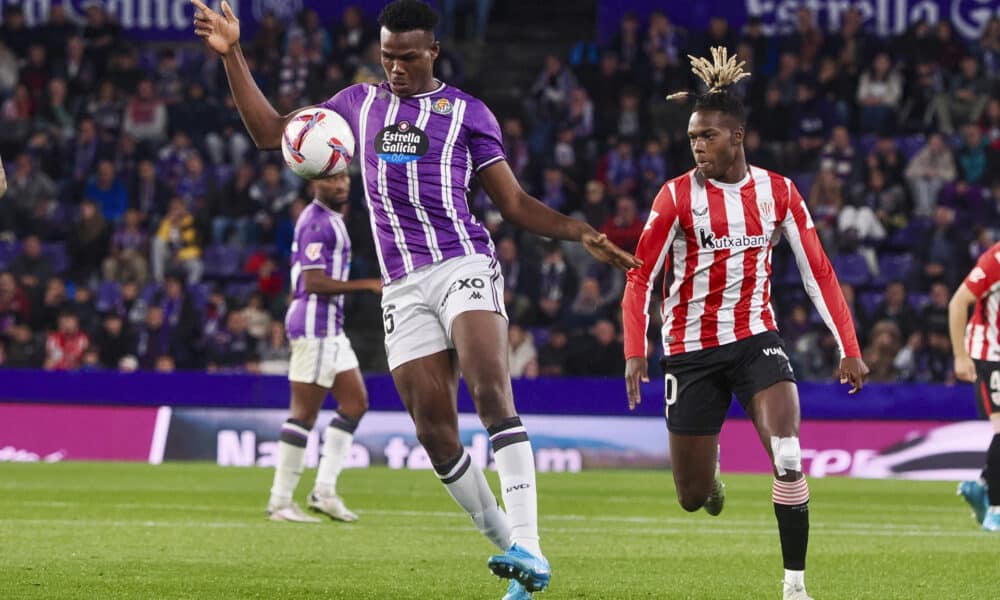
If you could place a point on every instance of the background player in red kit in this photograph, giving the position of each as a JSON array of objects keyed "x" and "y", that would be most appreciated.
[
  {"x": 976, "y": 345},
  {"x": 719, "y": 222}
]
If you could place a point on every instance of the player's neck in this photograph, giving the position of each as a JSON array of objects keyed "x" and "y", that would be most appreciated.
[
  {"x": 736, "y": 172},
  {"x": 430, "y": 85}
]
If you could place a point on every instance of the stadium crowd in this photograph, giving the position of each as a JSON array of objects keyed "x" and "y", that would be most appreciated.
[{"x": 142, "y": 229}]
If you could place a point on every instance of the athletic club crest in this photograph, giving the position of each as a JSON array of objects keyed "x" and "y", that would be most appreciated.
[
  {"x": 766, "y": 209},
  {"x": 442, "y": 106}
]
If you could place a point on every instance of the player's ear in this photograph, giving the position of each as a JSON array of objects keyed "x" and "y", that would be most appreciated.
[
  {"x": 738, "y": 134},
  {"x": 435, "y": 49}
]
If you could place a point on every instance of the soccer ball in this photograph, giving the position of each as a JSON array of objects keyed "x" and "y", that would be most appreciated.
[{"x": 317, "y": 143}]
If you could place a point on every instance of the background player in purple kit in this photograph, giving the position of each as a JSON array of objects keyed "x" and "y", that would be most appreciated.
[
  {"x": 419, "y": 143},
  {"x": 322, "y": 358}
]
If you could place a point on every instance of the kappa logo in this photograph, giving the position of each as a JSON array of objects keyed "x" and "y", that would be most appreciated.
[
  {"x": 776, "y": 351},
  {"x": 475, "y": 283},
  {"x": 476, "y": 296},
  {"x": 699, "y": 213}
]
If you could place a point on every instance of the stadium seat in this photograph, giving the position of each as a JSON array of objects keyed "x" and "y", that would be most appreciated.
[
  {"x": 918, "y": 300},
  {"x": 852, "y": 269},
  {"x": 108, "y": 294},
  {"x": 909, "y": 145},
  {"x": 804, "y": 182},
  {"x": 894, "y": 267},
  {"x": 239, "y": 291},
  {"x": 199, "y": 293},
  {"x": 56, "y": 252},
  {"x": 869, "y": 301},
  {"x": 8, "y": 252},
  {"x": 222, "y": 261}
]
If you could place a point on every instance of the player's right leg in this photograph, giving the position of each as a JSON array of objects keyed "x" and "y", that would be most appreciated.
[
  {"x": 991, "y": 522},
  {"x": 352, "y": 403},
  {"x": 984, "y": 494},
  {"x": 305, "y": 375},
  {"x": 428, "y": 387}
]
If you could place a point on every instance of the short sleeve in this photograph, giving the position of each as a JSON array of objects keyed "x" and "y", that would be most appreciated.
[
  {"x": 485, "y": 138},
  {"x": 316, "y": 244},
  {"x": 986, "y": 273}
]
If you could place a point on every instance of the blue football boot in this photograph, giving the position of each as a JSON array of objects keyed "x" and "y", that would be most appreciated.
[
  {"x": 974, "y": 493},
  {"x": 516, "y": 591},
  {"x": 517, "y": 563},
  {"x": 992, "y": 520}
]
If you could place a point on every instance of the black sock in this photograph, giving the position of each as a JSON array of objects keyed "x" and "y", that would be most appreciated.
[
  {"x": 992, "y": 471},
  {"x": 793, "y": 529}
]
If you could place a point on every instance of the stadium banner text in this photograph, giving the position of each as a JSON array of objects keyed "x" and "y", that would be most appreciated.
[
  {"x": 881, "y": 17},
  {"x": 173, "y": 19},
  {"x": 562, "y": 443}
]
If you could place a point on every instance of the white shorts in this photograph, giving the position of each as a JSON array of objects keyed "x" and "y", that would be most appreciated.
[
  {"x": 318, "y": 360},
  {"x": 418, "y": 309}
]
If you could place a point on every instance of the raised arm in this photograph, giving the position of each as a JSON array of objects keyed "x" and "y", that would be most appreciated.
[
  {"x": 523, "y": 210},
  {"x": 222, "y": 34}
]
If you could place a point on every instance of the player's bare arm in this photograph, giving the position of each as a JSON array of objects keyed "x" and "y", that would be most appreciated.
[
  {"x": 317, "y": 282},
  {"x": 958, "y": 319},
  {"x": 3, "y": 179},
  {"x": 222, "y": 34},
  {"x": 525, "y": 211}
]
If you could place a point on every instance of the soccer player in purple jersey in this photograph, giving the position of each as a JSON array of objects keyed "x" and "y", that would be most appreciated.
[
  {"x": 420, "y": 141},
  {"x": 322, "y": 358}
]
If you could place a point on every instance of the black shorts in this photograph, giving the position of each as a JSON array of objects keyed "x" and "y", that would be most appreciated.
[
  {"x": 987, "y": 387},
  {"x": 699, "y": 385}
]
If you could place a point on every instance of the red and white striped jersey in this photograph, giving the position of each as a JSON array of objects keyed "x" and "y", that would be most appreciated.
[
  {"x": 720, "y": 236},
  {"x": 982, "y": 335}
]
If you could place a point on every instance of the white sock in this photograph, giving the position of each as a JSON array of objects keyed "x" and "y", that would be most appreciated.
[
  {"x": 516, "y": 467},
  {"x": 795, "y": 578},
  {"x": 336, "y": 445},
  {"x": 466, "y": 483},
  {"x": 291, "y": 456}
]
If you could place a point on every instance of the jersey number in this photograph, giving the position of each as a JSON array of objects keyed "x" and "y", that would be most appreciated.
[
  {"x": 390, "y": 323},
  {"x": 669, "y": 389}
]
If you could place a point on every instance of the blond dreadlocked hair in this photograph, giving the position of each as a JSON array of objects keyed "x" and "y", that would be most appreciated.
[{"x": 718, "y": 74}]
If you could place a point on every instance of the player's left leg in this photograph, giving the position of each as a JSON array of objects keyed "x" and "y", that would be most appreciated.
[
  {"x": 480, "y": 338},
  {"x": 307, "y": 398},
  {"x": 775, "y": 414},
  {"x": 352, "y": 403},
  {"x": 991, "y": 522}
]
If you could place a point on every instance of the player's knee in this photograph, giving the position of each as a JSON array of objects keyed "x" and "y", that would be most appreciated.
[
  {"x": 440, "y": 441},
  {"x": 356, "y": 407},
  {"x": 693, "y": 495},
  {"x": 787, "y": 455},
  {"x": 491, "y": 397}
]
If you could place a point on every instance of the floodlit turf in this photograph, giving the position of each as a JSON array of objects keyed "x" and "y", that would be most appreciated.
[{"x": 90, "y": 530}]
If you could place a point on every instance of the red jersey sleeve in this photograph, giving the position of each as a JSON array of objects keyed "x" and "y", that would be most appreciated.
[
  {"x": 986, "y": 272},
  {"x": 817, "y": 274},
  {"x": 654, "y": 245}
]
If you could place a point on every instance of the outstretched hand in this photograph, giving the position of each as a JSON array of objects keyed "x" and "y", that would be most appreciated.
[
  {"x": 604, "y": 250},
  {"x": 220, "y": 32},
  {"x": 965, "y": 369},
  {"x": 636, "y": 371},
  {"x": 854, "y": 371}
]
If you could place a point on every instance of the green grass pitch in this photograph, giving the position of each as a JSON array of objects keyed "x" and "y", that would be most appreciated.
[{"x": 108, "y": 531}]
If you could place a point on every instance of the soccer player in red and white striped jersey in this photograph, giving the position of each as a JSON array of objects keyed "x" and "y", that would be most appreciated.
[
  {"x": 717, "y": 224},
  {"x": 976, "y": 344}
]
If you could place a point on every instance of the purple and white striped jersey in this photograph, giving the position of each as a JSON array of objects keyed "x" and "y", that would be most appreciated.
[
  {"x": 321, "y": 242},
  {"x": 418, "y": 155}
]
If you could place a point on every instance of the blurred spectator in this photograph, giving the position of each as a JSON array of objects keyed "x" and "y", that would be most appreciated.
[
  {"x": 880, "y": 355},
  {"x": 522, "y": 350},
  {"x": 132, "y": 306},
  {"x": 624, "y": 227},
  {"x": 88, "y": 244},
  {"x": 587, "y": 307},
  {"x": 147, "y": 195},
  {"x": 233, "y": 209},
  {"x": 176, "y": 244},
  {"x": 934, "y": 315},
  {"x": 146, "y": 115},
  {"x": 85, "y": 309},
  {"x": 56, "y": 113},
  {"x": 826, "y": 201},
  {"x": 35, "y": 73},
  {"x": 194, "y": 185},
  {"x": 553, "y": 192},
  {"x": 108, "y": 191},
  {"x": 352, "y": 35},
  {"x": 73, "y": 66},
  {"x": 888, "y": 199},
  {"x": 27, "y": 188},
  {"x": 14, "y": 31},
  {"x": 179, "y": 315},
  {"x": 597, "y": 352},
  {"x": 929, "y": 170},
  {"x": 619, "y": 170},
  {"x": 939, "y": 252},
  {"x": 15, "y": 306},
  {"x": 232, "y": 349},
  {"x": 65, "y": 347},
  {"x": 128, "y": 251},
  {"x": 114, "y": 341},
  {"x": 895, "y": 309},
  {"x": 271, "y": 193},
  {"x": 974, "y": 157},
  {"x": 551, "y": 91},
  {"x": 54, "y": 301},
  {"x": 913, "y": 360},
  {"x": 257, "y": 318},
  {"x": 26, "y": 349},
  {"x": 554, "y": 354},
  {"x": 557, "y": 288},
  {"x": 965, "y": 97},
  {"x": 31, "y": 267},
  {"x": 520, "y": 281},
  {"x": 628, "y": 42},
  {"x": 595, "y": 204},
  {"x": 154, "y": 339},
  {"x": 165, "y": 364},
  {"x": 274, "y": 351},
  {"x": 879, "y": 91}
]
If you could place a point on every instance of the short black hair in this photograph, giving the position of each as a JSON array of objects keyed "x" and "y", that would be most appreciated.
[
  {"x": 408, "y": 15},
  {"x": 723, "y": 102}
]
